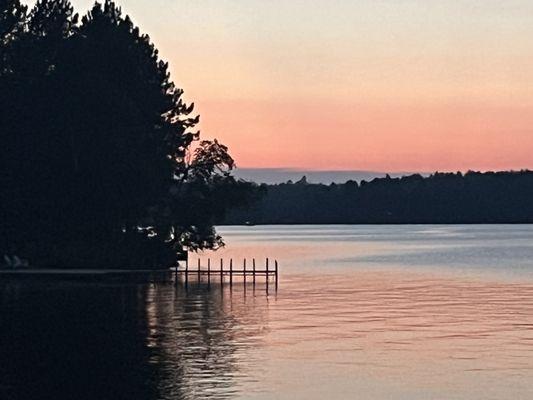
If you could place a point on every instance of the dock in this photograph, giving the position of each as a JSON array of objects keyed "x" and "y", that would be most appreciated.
[
  {"x": 204, "y": 271},
  {"x": 227, "y": 271}
]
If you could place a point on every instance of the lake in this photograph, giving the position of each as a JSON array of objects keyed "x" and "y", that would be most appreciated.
[{"x": 367, "y": 312}]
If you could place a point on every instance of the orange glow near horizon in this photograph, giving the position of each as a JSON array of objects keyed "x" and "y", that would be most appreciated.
[
  {"x": 410, "y": 85},
  {"x": 382, "y": 137}
]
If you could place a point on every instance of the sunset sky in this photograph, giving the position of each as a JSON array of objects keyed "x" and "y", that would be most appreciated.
[{"x": 389, "y": 85}]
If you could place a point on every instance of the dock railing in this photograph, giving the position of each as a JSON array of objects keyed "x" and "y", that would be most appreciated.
[{"x": 204, "y": 269}]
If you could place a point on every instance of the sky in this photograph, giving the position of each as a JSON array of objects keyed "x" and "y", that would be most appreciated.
[{"x": 386, "y": 85}]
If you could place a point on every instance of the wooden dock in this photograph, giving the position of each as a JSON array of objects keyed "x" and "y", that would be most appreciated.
[{"x": 224, "y": 272}]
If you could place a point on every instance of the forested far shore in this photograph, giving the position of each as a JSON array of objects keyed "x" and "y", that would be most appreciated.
[{"x": 453, "y": 198}]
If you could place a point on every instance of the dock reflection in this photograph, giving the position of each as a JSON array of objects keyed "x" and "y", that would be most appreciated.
[
  {"x": 63, "y": 340},
  {"x": 199, "y": 334}
]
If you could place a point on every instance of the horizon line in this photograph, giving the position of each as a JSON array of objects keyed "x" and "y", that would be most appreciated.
[{"x": 299, "y": 169}]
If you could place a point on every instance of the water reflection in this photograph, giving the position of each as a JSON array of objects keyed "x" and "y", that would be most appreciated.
[
  {"x": 204, "y": 332},
  {"x": 72, "y": 341},
  {"x": 342, "y": 324},
  {"x": 157, "y": 341}
]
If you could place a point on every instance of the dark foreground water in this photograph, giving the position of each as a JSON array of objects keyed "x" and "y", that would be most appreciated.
[{"x": 387, "y": 312}]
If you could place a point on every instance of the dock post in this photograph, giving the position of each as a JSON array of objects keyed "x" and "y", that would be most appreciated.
[
  {"x": 186, "y": 272},
  {"x": 208, "y": 272},
  {"x": 221, "y": 269},
  {"x": 267, "y": 275},
  {"x": 198, "y": 270},
  {"x": 253, "y": 273},
  {"x": 276, "y": 264},
  {"x": 231, "y": 271},
  {"x": 244, "y": 275}
]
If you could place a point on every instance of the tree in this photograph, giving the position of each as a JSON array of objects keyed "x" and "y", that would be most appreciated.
[
  {"x": 102, "y": 155},
  {"x": 12, "y": 23},
  {"x": 203, "y": 182},
  {"x": 31, "y": 145},
  {"x": 13, "y": 18},
  {"x": 489, "y": 197}
]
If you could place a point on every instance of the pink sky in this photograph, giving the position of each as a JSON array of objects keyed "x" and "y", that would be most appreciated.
[
  {"x": 390, "y": 85},
  {"x": 374, "y": 137}
]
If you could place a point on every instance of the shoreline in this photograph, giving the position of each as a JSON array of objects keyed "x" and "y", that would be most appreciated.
[
  {"x": 88, "y": 275},
  {"x": 58, "y": 271},
  {"x": 376, "y": 223}
]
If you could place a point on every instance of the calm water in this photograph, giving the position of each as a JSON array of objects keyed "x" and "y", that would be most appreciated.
[{"x": 366, "y": 312}]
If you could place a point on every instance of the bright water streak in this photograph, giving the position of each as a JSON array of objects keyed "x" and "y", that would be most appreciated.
[{"x": 366, "y": 312}]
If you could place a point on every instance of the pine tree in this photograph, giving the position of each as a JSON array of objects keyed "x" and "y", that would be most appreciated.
[
  {"x": 12, "y": 21},
  {"x": 102, "y": 148}
]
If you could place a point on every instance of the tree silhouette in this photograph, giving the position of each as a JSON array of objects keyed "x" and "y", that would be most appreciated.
[
  {"x": 12, "y": 19},
  {"x": 492, "y": 197},
  {"x": 99, "y": 147},
  {"x": 204, "y": 183}
]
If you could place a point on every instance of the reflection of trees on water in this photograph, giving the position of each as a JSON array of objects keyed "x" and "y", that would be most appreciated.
[
  {"x": 85, "y": 341},
  {"x": 70, "y": 341},
  {"x": 201, "y": 339}
]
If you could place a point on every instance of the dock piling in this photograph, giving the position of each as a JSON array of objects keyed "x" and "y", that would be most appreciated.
[
  {"x": 198, "y": 270},
  {"x": 208, "y": 272},
  {"x": 267, "y": 276},
  {"x": 269, "y": 271},
  {"x": 253, "y": 262},
  {"x": 276, "y": 273},
  {"x": 230, "y": 272},
  {"x": 186, "y": 272}
]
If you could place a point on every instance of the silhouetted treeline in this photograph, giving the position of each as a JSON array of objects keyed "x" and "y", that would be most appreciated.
[
  {"x": 491, "y": 197},
  {"x": 98, "y": 162}
]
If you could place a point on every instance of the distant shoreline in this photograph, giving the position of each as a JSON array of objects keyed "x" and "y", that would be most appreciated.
[
  {"x": 376, "y": 223},
  {"x": 504, "y": 197}
]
